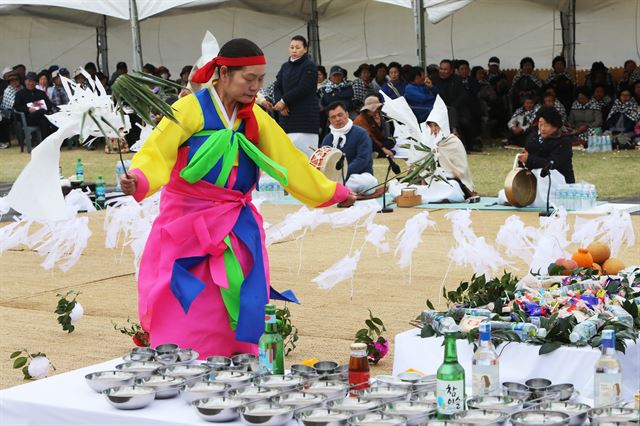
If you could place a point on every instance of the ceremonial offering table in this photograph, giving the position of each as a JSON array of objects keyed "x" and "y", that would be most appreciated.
[
  {"x": 520, "y": 361},
  {"x": 66, "y": 399}
]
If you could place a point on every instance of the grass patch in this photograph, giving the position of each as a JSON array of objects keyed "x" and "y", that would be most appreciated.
[{"x": 615, "y": 174}]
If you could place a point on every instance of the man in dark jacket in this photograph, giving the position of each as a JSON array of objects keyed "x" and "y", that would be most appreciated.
[
  {"x": 295, "y": 97},
  {"x": 356, "y": 145},
  {"x": 548, "y": 144},
  {"x": 35, "y": 105}
]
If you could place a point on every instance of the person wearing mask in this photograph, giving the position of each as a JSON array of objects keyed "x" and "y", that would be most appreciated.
[
  {"x": 294, "y": 96},
  {"x": 395, "y": 86},
  {"x": 35, "y": 105},
  {"x": 420, "y": 94},
  {"x": 549, "y": 144},
  {"x": 370, "y": 119}
]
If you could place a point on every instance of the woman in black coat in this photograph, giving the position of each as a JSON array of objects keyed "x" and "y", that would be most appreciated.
[
  {"x": 548, "y": 144},
  {"x": 295, "y": 96}
]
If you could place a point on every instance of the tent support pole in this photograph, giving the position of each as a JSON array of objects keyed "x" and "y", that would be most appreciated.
[
  {"x": 101, "y": 40},
  {"x": 313, "y": 34},
  {"x": 418, "y": 15},
  {"x": 568, "y": 22},
  {"x": 135, "y": 35}
]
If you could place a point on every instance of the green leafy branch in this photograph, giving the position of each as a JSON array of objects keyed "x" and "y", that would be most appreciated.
[
  {"x": 371, "y": 335},
  {"x": 20, "y": 362},
  {"x": 64, "y": 309},
  {"x": 135, "y": 331},
  {"x": 288, "y": 331}
]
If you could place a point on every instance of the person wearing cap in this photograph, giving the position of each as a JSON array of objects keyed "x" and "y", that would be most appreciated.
[
  {"x": 57, "y": 94},
  {"x": 35, "y": 105},
  {"x": 12, "y": 80},
  {"x": 338, "y": 88},
  {"x": 420, "y": 94},
  {"x": 294, "y": 96},
  {"x": 204, "y": 274},
  {"x": 362, "y": 85},
  {"x": 355, "y": 143},
  {"x": 370, "y": 119}
]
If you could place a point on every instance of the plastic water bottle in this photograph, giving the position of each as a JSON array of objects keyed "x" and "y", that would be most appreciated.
[
  {"x": 79, "y": 171},
  {"x": 609, "y": 145},
  {"x": 485, "y": 367},
  {"x": 120, "y": 171},
  {"x": 101, "y": 193},
  {"x": 586, "y": 329},
  {"x": 622, "y": 316},
  {"x": 441, "y": 323},
  {"x": 476, "y": 312},
  {"x": 524, "y": 330}
]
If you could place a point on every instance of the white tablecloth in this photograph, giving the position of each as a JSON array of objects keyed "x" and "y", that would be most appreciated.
[
  {"x": 519, "y": 362},
  {"x": 66, "y": 399}
]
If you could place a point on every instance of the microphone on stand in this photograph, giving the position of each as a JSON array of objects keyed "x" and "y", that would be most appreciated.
[
  {"x": 547, "y": 169},
  {"x": 394, "y": 166},
  {"x": 340, "y": 163}
]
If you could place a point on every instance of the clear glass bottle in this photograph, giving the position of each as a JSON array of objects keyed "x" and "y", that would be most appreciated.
[
  {"x": 450, "y": 390},
  {"x": 358, "y": 369},
  {"x": 608, "y": 376},
  {"x": 271, "y": 345},
  {"x": 485, "y": 370}
]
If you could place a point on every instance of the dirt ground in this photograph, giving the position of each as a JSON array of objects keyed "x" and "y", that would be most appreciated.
[{"x": 327, "y": 319}]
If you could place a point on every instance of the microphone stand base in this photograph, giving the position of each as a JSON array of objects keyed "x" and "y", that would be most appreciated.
[
  {"x": 385, "y": 210},
  {"x": 546, "y": 213}
]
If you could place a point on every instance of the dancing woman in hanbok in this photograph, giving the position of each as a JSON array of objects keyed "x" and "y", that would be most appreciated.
[{"x": 204, "y": 275}]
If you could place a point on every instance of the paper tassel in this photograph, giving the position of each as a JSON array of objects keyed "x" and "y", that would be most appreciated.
[
  {"x": 292, "y": 223},
  {"x": 14, "y": 234},
  {"x": 340, "y": 271},
  {"x": 376, "y": 235},
  {"x": 411, "y": 236},
  {"x": 518, "y": 239},
  {"x": 552, "y": 242},
  {"x": 614, "y": 229},
  {"x": 470, "y": 249},
  {"x": 77, "y": 200},
  {"x": 347, "y": 217}
]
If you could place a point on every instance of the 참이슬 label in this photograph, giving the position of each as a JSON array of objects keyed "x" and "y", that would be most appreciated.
[
  {"x": 485, "y": 380},
  {"x": 450, "y": 396},
  {"x": 266, "y": 357},
  {"x": 608, "y": 388}
]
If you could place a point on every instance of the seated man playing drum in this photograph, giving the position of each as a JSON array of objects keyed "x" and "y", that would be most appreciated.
[{"x": 355, "y": 143}]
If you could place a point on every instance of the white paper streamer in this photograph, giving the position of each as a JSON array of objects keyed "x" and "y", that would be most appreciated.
[
  {"x": 552, "y": 242},
  {"x": 614, "y": 229},
  {"x": 342, "y": 270},
  {"x": 518, "y": 239},
  {"x": 376, "y": 235},
  {"x": 472, "y": 250},
  {"x": 411, "y": 236},
  {"x": 292, "y": 223}
]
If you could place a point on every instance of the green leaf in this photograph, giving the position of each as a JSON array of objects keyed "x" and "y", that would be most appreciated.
[
  {"x": 549, "y": 347},
  {"x": 19, "y": 362},
  {"x": 378, "y": 321},
  {"x": 427, "y": 331},
  {"x": 15, "y": 354},
  {"x": 430, "y": 305}
]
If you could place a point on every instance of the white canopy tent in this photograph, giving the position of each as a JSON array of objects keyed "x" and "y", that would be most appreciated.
[{"x": 351, "y": 32}]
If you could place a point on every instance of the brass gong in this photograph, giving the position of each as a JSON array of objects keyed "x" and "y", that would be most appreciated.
[{"x": 520, "y": 186}]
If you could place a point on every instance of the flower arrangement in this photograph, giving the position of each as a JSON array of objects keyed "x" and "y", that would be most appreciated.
[
  {"x": 69, "y": 311},
  {"x": 139, "y": 336},
  {"x": 37, "y": 367},
  {"x": 377, "y": 345}
]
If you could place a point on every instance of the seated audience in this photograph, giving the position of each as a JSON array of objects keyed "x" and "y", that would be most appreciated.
[
  {"x": 395, "y": 86},
  {"x": 629, "y": 67},
  {"x": 602, "y": 100},
  {"x": 562, "y": 82},
  {"x": 600, "y": 75},
  {"x": 500, "y": 107},
  {"x": 43, "y": 81},
  {"x": 525, "y": 83},
  {"x": 547, "y": 144},
  {"x": 420, "y": 94},
  {"x": 362, "y": 85},
  {"x": 550, "y": 100},
  {"x": 585, "y": 118},
  {"x": 379, "y": 77},
  {"x": 337, "y": 88},
  {"x": 57, "y": 94},
  {"x": 35, "y": 105},
  {"x": 521, "y": 122},
  {"x": 121, "y": 68},
  {"x": 355, "y": 143},
  {"x": 322, "y": 79},
  {"x": 370, "y": 119},
  {"x": 622, "y": 119}
]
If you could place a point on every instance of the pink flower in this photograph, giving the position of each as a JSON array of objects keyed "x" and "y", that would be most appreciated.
[{"x": 383, "y": 348}]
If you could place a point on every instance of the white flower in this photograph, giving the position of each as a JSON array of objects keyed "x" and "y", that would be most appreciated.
[
  {"x": 77, "y": 312},
  {"x": 39, "y": 367}
]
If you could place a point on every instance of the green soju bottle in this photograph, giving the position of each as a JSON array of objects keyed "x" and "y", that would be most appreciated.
[
  {"x": 450, "y": 391},
  {"x": 271, "y": 346}
]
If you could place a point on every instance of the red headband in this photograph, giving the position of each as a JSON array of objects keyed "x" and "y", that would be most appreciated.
[{"x": 204, "y": 74}]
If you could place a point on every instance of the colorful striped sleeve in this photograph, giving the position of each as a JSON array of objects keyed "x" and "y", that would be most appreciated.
[
  {"x": 306, "y": 183},
  {"x": 153, "y": 163}
]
